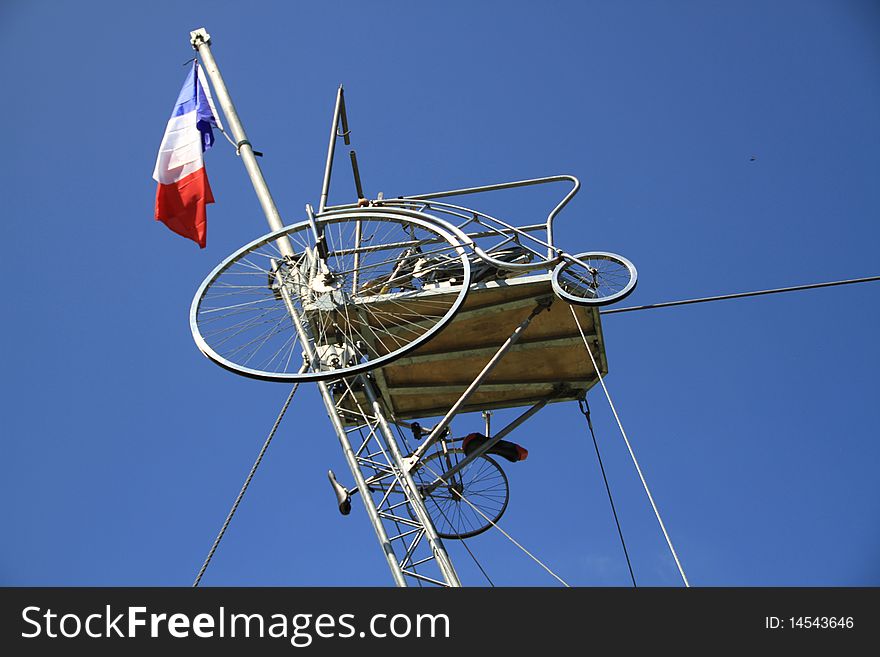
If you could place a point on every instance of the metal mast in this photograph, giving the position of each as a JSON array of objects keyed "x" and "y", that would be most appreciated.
[{"x": 382, "y": 476}]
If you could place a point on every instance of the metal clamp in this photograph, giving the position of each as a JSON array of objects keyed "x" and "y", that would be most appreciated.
[{"x": 242, "y": 143}]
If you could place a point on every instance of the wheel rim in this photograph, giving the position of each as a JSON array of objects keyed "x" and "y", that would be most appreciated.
[
  {"x": 594, "y": 279},
  {"x": 240, "y": 317},
  {"x": 482, "y": 483}
]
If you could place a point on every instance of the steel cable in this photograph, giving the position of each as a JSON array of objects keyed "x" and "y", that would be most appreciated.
[
  {"x": 585, "y": 409},
  {"x": 247, "y": 483},
  {"x": 740, "y": 295},
  {"x": 629, "y": 447}
]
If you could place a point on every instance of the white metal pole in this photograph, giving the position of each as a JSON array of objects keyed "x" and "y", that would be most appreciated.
[
  {"x": 201, "y": 41},
  {"x": 411, "y": 491}
]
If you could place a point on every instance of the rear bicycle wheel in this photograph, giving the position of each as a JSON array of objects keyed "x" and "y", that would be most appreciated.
[
  {"x": 596, "y": 278},
  {"x": 471, "y": 500}
]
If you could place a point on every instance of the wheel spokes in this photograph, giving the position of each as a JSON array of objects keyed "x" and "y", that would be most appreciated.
[
  {"x": 366, "y": 301},
  {"x": 474, "y": 504}
]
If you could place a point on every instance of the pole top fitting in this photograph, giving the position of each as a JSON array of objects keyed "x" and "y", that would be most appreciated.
[{"x": 199, "y": 37}]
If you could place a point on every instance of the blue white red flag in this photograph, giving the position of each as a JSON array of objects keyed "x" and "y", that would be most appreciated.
[{"x": 183, "y": 192}]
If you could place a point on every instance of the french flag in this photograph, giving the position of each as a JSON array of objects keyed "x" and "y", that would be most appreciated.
[{"x": 183, "y": 191}]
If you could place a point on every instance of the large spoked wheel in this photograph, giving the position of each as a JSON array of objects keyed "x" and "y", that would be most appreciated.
[
  {"x": 481, "y": 482},
  {"x": 356, "y": 291},
  {"x": 594, "y": 279}
]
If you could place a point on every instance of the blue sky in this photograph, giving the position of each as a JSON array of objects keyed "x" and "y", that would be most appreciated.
[{"x": 754, "y": 421}]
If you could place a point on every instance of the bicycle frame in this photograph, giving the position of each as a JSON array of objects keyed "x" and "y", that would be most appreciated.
[
  {"x": 445, "y": 443},
  {"x": 469, "y": 217},
  {"x": 553, "y": 253}
]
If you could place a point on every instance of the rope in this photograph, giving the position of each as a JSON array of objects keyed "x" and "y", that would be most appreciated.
[
  {"x": 629, "y": 447},
  {"x": 741, "y": 295},
  {"x": 585, "y": 409},
  {"x": 495, "y": 525},
  {"x": 228, "y": 138},
  {"x": 247, "y": 483}
]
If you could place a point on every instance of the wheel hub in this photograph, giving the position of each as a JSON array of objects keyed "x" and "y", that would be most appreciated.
[{"x": 330, "y": 301}]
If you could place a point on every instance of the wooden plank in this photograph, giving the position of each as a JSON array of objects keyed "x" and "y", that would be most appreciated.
[
  {"x": 430, "y": 379},
  {"x": 500, "y": 386},
  {"x": 567, "y": 361},
  {"x": 487, "y": 352},
  {"x": 484, "y": 403},
  {"x": 436, "y": 405}
]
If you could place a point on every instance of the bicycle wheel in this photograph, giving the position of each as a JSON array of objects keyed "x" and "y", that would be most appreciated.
[
  {"x": 594, "y": 279},
  {"x": 481, "y": 482},
  {"x": 346, "y": 292}
]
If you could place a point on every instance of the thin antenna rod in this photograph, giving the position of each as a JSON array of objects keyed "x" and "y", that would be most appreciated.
[
  {"x": 331, "y": 147},
  {"x": 343, "y": 115}
]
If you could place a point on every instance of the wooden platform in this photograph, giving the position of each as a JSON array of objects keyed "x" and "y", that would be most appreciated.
[{"x": 549, "y": 360}]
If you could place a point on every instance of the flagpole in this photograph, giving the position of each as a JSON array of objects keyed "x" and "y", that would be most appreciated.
[{"x": 201, "y": 42}]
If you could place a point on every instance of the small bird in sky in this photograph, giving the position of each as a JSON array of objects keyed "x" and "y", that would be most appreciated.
[{"x": 753, "y": 158}]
